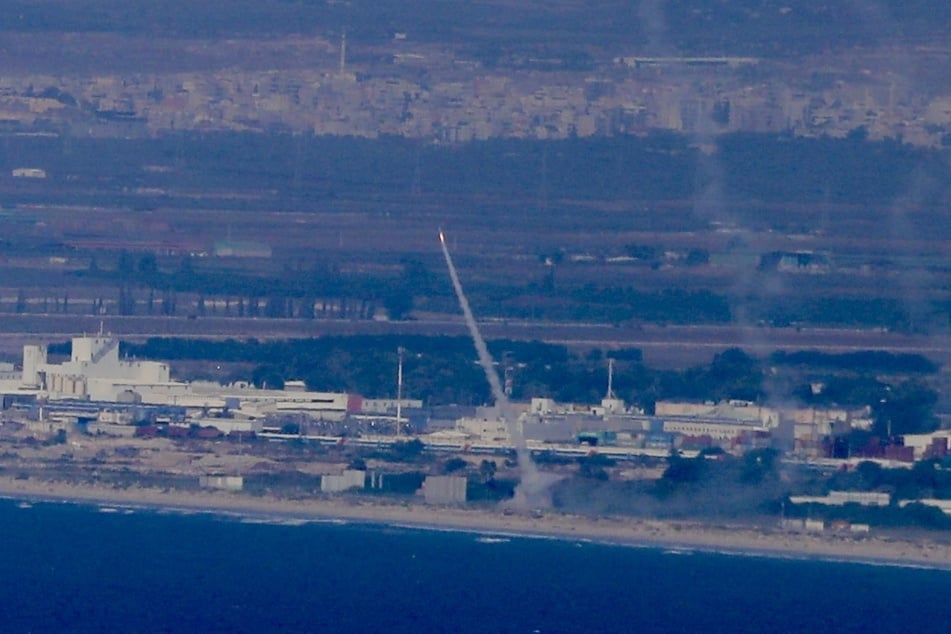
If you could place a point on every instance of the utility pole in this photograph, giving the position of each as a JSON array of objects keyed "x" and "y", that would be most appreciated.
[
  {"x": 399, "y": 390},
  {"x": 343, "y": 52},
  {"x": 610, "y": 378}
]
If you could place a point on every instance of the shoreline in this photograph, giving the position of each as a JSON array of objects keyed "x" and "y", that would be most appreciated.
[{"x": 614, "y": 530}]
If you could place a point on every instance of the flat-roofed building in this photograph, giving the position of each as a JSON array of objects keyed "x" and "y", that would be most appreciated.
[
  {"x": 444, "y": 489},
  {"x": 349, "y": 479},
  {"x": 94, "y": 370}
]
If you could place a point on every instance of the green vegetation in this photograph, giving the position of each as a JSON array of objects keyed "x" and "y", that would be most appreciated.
[
  {"x": 864, "y": 361},
  {"x": 926, "y": 479},
  {"x": 487, "y": 469},
  {"x": 657, "y": 172},
  {"x": 669, "y": 305},
  {"x": 493, "y": 490},
  {"x": 407, "y": 483},
  {"x": 594, "y": 466},
  {"x": 658, "y": 166},
  {"x": 753, "y": 468},
  {"x": 453, "y": 465},
  {"x": 442, "y": 370},
  {"x": 718, "y": 485},
  {"x": 901, "y": 407},
  {"x": 408, "y": 451},
  {"x": 708, "y": 486}
]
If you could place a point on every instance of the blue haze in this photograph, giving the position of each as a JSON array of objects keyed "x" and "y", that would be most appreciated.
[{"x": 73, "y": 568}]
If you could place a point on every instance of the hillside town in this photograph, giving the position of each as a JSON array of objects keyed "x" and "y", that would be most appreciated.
[{"x": 437, "y": 94}]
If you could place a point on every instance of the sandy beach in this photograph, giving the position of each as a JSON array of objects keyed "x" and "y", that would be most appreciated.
[{"x": 620, "y": 530}]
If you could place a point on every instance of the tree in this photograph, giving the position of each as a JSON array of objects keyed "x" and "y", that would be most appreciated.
[
  {"x": 454, "y": 464},
  {"x": 148, "y": 266},
  {"x": 406, "y": 451},
  {"x": 906, "y": 409},
  {"x": 682, "y": 470},
  {"x": 416, "y": 276},
  {"x": 720, "y": 113},
  {"x": 735, "y": 374},
  {"x": 869, "y": 473},
  {"x": 305, "y": 309},
  {"x": 641, "y": 251},
  {"x": 696, "y": 257},
  {"x": 857, "y": 135},
  {"x": 593, "y": 467},
  {"x": 757, "y": 465},
  {"x": 125, "y": 266},
  {"x": 487, "y": 469},
  {"x": 398, "y": 302},
  {"x": 268, "y": 376},
  {"x": 126, "y": 301},
  {"x": 275, "y": 306}
]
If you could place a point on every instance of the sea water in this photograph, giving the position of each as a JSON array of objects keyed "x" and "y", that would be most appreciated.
[{"x": 84, "y": 568}]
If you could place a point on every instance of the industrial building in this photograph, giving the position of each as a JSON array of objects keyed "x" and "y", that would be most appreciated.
[
  {"x": 94, "y": 371},
  {"x": 95, "y": 379},
  {"x": 222, "y": 483},
  {"x": 349, "y": 479},
  {"x": 104, "y": 393},
  {"x": 841, "y": 498},
  {"x": 444, "y": 490}
]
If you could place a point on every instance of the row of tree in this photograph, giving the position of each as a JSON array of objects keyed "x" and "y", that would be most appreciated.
[
  {"x": 143, "y": 287},
  {"x": 443, "y": 370}
]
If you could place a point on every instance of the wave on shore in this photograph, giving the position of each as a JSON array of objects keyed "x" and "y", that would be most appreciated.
[{"x": 489, "y": 527}]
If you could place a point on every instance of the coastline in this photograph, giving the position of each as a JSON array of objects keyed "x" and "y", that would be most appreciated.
[{"x": 616, "y": 530}]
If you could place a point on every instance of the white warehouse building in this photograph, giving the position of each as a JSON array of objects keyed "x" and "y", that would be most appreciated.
[{"x": 93, "y": 372}]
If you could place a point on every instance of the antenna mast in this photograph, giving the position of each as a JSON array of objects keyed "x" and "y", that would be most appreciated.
[
  {"x": 610, "y": 378},
  {"x": 399, "y": 390},
  {"x": 343, "y": 52}
]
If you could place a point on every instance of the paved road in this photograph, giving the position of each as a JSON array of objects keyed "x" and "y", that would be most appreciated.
[{"x": 662, "y": 345}]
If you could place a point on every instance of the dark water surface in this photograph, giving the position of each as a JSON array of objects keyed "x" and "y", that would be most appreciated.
[{"x": 84, "y": 569}]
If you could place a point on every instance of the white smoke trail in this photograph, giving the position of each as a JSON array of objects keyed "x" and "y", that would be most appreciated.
[
  {"x": 907, "y": 70},
  {"x": 532, "y": 491}
]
